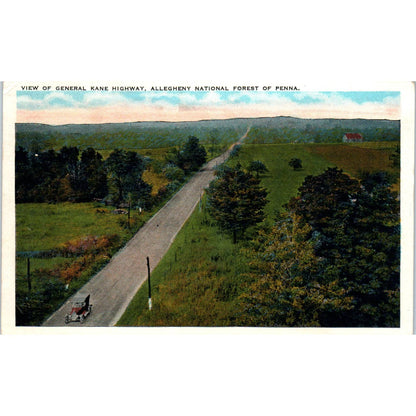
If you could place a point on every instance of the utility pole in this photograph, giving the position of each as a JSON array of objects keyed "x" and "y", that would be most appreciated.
[
  {"x": 148, "y": 281},
  {"x": 29, "y": 283},
  {"x": 128, "y": 216}
]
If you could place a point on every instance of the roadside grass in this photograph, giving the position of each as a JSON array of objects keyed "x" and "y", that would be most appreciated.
[
  {"x": 198, "y": 281},
  {"x": 37, "y": 263}
]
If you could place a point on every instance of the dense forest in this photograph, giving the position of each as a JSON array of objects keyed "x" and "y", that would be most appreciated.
[
  {"x": 82, "y": 176},
  {"x": 332, "y": 259},
  {"x": 295, "y": 130},
  {"x": 141, "y": 135}
]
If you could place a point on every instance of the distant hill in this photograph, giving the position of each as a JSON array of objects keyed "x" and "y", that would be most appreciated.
[
  {"x": 128, "y": 126},
  {"x": 163, "y": 134},
  {"x": 274, "y": 122}
]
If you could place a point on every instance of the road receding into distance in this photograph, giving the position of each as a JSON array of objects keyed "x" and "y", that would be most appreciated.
[{"x": 113, "y": 288}]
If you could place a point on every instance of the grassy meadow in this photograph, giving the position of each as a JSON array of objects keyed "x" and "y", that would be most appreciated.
[
  {"x": 66, "y": 244},
  {"x": 195, "y": 284},
  {"x": 199, "y": 280},
  {"x": 42, "y": 226},
  {"x": 355, "y": 158},
  {"x": 281, "y": 181}
]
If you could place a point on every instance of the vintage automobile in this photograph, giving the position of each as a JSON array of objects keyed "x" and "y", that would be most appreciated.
[{"x": 81, "y": 308}]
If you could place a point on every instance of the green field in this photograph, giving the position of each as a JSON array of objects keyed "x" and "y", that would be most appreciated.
[
  {"x": 42, "y": 226},
  {"x": 199, "y": 280},
  {"x": 42, "y": 233},
  {"x": 281, "y": 181}
]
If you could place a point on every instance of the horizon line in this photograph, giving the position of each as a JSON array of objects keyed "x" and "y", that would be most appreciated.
[{"x": 212, "y": 119}]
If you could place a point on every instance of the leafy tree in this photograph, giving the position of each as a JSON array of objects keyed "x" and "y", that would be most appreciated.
[
  {"x": 66, "y": 184},
  {"x": 286, "y": 288},
  {"x": 356, "y": 229},
  {"x": 173, "y": 173},
  {"x": 37, "y": 175},
  {"x": 46, "y": 170},
  {"x": 68, "y": 160},
  {"x": 236, "y": 200},
  {"x": 172, "y": 156},
  {"x": 235, "y": 151},
  {"x": 192, "y": 156},
  {"x": 257, "y": 166},
  {"x": 92, "y": 176},
  {"x": 295, "y": 163},
  {"x": 373, "y": 180},
  {"x": 324, "y": 200},
  {"x": 125, "y": 170},
  {"x": 395, "y": 157},
  {"x": 213, "y": 141},
  {"x": 24, "y": 179}
]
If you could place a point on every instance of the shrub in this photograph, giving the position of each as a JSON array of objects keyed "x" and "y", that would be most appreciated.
[{"x": 88, "y": 244}]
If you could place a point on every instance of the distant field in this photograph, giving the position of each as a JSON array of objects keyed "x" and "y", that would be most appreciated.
[
  {"x": 377, "y": 145},
  {"x": 357, "y": 157},
  {"x": 282, "y": 181},
  {"x": 109, "y": 137}
]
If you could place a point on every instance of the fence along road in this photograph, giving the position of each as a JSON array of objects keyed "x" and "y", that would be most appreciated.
[{"x": 113, "y": 288}]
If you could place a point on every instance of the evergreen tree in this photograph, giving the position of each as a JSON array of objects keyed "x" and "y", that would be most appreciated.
[{"x": 236, "y": 201}]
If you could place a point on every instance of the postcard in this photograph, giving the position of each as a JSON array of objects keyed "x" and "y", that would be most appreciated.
[{"x": 135, "y": 207}]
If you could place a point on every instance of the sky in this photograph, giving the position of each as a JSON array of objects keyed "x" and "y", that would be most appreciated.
[{"x": 67, "y": 107}]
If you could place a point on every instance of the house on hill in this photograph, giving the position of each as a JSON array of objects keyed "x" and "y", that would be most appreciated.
[{"x": 352, "y": 138}]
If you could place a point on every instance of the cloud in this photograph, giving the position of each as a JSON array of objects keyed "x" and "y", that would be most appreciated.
[
  {"x": 94, "y": 107},
  {"x": 43, "y": 100}
]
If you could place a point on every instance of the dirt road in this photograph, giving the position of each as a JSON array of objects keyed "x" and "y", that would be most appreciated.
[{"x": 114, "y": 286}]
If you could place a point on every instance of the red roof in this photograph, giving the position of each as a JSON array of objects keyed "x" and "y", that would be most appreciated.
[{"x": 353, "y": 136}]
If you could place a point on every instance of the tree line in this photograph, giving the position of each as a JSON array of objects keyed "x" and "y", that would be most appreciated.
[
  {"x": 315, "y": 134},
  {"x": 332, "y": 259},
  {"x": 75, "y": 176}
]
